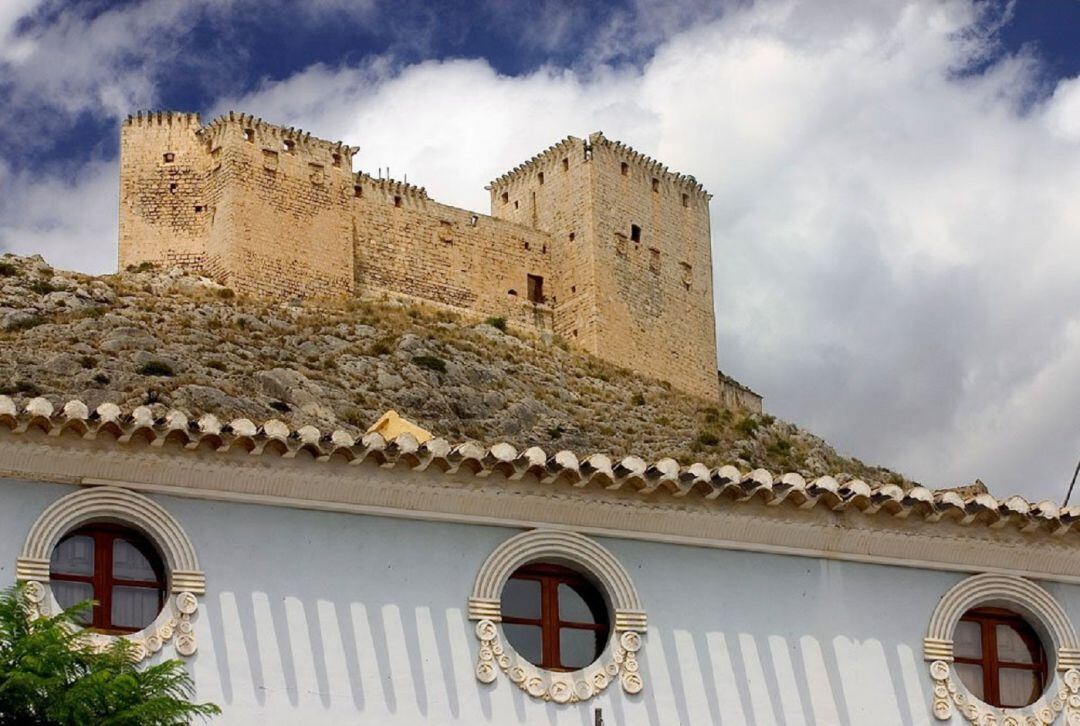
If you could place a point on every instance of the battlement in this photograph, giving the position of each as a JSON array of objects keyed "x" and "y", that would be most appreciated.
[
  {"x": 161, "y": 118},
  {"x": 554, "y": 151},
  {"x": 685, "y": 182},
  {"x": 588, "y": 239},
  {"x": 390, "y": 186}
]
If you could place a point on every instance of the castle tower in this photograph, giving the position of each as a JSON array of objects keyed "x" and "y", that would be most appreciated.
[
  {"x": 163, "y": 213},
  {"x": 262, "y": 208},
  {"x": 632, "y": 263}
]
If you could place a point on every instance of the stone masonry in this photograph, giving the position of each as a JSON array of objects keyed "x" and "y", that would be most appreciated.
[{"x": 589, "y": 239}]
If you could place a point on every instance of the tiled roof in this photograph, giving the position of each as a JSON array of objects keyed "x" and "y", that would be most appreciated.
[{"x": 725, "y": 484}]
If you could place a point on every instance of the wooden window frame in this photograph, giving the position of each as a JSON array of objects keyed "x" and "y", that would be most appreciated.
[
  {"x": 988, "y": 619},
  {"x": 102, "y": 580},
  {"x": 550, "y": 577}
]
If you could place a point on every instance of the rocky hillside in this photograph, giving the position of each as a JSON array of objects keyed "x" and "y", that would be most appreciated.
[{"x": 172, "y": 340}]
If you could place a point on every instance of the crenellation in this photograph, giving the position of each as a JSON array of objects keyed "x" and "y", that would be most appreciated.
[{"x": 589, "y": 239}]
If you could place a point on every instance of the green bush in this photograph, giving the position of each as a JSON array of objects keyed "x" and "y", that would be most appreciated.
[
  {"x": 747, "y": 426},
  {"x": 638, "y": 399},
  {"x": 155, "y": 368},
  {"x": 8, "y": 270},
  {"x": 708, "y": 438},
  {"x": 430, "y": 362},
  {"x": 51, "y": 673},
  {"x": 499, "y": 323},
  {"x": 43, "y": 287},
  {"x": 30, "y": 321}
]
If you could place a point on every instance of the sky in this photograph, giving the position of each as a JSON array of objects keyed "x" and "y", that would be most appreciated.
[{"x": 895, "y": 220}]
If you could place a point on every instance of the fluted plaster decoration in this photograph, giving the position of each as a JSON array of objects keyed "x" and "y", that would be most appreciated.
[
  {"x": 185, "y": 579},
  {"x": 619, "y": 659},
  {"x": 1062, "y": 693}
]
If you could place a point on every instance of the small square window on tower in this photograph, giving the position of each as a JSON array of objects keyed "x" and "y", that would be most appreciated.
[
  {"x": 358, "y": 191},
  {"x": 505, "y": 197},
  {"x": 535, "y": 288},
  {"x": 249, "y": 135},
  {"x": 168, "y": 157},
  {"x": 288, "y": 146},
  {"x": 635, "y": 233},
  {"x": 172, "y": 188},
  {"x": 397, "y": 201},
  {"x": 515, "y": 204},
  {"x": 686, "y": 200},
  {"x": 540, "y": 178},
  {"x": 566, "y": 165},
  {"x": 337, "y": 159},
  {"x": 655, "y": 184},
  {"x": 625, "y": 169}
]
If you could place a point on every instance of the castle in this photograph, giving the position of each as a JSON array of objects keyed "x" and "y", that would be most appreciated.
[{"x": 589, "y": 240}]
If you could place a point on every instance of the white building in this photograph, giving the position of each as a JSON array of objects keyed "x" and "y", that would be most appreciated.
[{"x": 310, "y": 579}]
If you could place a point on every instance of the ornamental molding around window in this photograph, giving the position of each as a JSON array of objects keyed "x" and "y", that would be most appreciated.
[
  {"x": 111, "y": 504},
  {"x": 1044, "y": 614},
  {"x": 619, "y": 659}
]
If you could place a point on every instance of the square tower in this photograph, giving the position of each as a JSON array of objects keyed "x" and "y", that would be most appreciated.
[{"x": 632, "y": 262}]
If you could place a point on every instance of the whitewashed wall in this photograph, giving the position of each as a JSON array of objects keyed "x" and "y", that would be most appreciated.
[{"x": 312, "y": 617}]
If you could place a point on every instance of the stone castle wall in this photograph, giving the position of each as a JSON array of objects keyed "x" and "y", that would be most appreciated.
[{"x": 276, "y": 212}]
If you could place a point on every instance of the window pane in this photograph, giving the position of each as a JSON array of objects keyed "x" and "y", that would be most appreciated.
[
  {"x": 574, "y": 604},
  {"x": 129, "y": 563},
  {"x": 134, "y": 607},
  {"x": 521, "y": 599},
  {"x": 577, "y": 647},
  {"x": 1018, "y": 687},
  {"x": 967, "y": 640},
  {"x": 526, "y": 641},
  {"x": 72, "y": 593},
  {"x": 971, "y": 676},
  {"x": 73, "y": 556},
  {"x": 1011, "y": 647}
]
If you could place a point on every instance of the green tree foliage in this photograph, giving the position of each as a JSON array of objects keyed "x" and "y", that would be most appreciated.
[{"x": 50, "y": 673}]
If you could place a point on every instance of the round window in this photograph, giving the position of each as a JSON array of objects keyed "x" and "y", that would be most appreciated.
[
  {"x": 999, "y": 657},
  {"x": 117, "y": 568},
  {"x": 554, "y": 617}
]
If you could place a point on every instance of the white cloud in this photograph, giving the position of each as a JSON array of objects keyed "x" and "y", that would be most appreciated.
[
  {"x": 895, "y": 237},
  {"x": 72, "y": 222}
]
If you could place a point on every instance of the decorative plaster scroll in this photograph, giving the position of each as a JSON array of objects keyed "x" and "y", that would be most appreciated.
[
  {"x": 619, "y": 659},
  {"x": 1049, "y": 620},
  {"x": 111, "y": 504}
]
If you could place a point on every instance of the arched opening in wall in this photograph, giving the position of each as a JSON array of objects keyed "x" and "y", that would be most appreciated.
[
  {"x": 505, "y": 197},
  {"x": 397, "y": 201},
  {"x": 655, "y": 184},
  {"x": 554, "y": 617},
  {"x": 624, "y": 168},
  {"x": 358, "y": 191},
  {"x": 512, "y": 291},
  {"x": 566, "y": 164},
  {"x": 118, "y": 568},
  {"x": 999, "y": 657}
]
